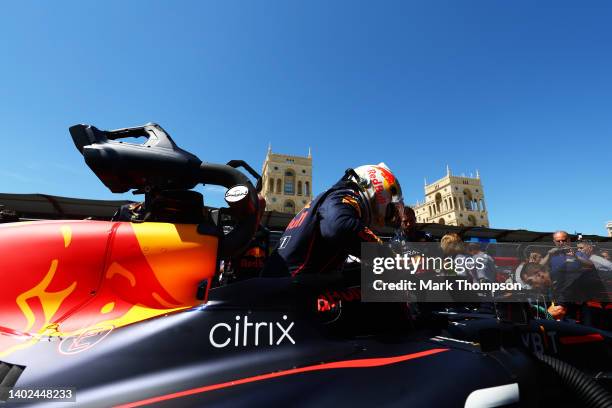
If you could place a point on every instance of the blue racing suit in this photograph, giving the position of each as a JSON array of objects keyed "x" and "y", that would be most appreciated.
[{"x": 323, "y": 233}]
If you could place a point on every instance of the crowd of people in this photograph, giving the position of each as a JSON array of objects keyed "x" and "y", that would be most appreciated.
[{"x": 576, "y": 278}]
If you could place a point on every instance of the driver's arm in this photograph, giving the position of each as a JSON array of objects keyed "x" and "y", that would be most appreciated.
[{"x": 341, "y": 222}]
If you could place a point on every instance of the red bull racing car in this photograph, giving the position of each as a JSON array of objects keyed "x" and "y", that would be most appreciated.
[{"x": 124, "y": 313}]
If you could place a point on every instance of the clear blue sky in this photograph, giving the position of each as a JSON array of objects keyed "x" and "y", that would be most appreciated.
[{"x": 520, "y": 90}]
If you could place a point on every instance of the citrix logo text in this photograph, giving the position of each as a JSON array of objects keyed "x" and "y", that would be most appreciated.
[{"x": 245, "y": 333}]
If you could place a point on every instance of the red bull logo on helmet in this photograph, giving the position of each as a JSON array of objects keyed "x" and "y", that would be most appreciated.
[{"x": 378, "y": 185}]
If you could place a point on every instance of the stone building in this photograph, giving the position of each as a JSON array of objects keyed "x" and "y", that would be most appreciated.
[
  {"x": 454, "y": 200},
  {"x": 287, "y": 181},
  {"x": 609, "y": 228}
]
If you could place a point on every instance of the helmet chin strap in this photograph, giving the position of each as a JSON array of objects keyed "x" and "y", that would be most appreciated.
[{"x": 367, "y": 218}]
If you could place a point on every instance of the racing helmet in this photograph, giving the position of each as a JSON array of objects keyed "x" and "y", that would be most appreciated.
[{"x": 383, "y": 193}]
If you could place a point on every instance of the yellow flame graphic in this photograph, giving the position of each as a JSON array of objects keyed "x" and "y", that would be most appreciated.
[
  {"x": 115, "y": 268},
  {"x": 50, "y": 301},
  {"x": 107, "y": 308},
  {"x": 67, "y": 233}
]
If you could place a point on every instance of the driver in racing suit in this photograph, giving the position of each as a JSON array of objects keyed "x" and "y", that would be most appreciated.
[{"x": 335, "y": 223}]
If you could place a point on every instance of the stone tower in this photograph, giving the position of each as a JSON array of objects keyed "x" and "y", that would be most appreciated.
[
  {"x": 287, "y": 181},
  {"x": 454, "y": 200}
]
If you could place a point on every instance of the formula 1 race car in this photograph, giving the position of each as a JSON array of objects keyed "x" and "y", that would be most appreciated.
[{"x": 125, "y": 313}]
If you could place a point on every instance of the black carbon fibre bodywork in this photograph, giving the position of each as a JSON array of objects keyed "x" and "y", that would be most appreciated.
[{"x": 170, "y": 360}]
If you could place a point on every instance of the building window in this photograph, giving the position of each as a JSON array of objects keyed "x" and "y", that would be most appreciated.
[
  {"x": 468, "y": 200},
  {"x": 303, "y": 171},
  {"x": 271, "y": 186},
  {"x": 439, "y": 207},
  {"x": 307, "y": 188},
  {"x": 273, "y": 199},
  {"x": 278, "y": 186},
  {"x": 275, "y": 167},
  {"x": 289, "y": 182},
  {"x": 299, "y": 188}
]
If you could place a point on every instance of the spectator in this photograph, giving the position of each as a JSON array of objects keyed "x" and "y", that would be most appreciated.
[
  {"x": 484, "y": 265},
  {"x": 401, "y": 242},
  {"x": 563, "y": 259},
  {"x": 605, "y": 254},
  {"x": 534, "y": 257},
  {"x": 409, "y": 227},
  {"x": 452, "y": 246},
  {"x": 565, "y": 291},
  {"x": 536, "y": 276},
  {"x": 601, "y": 264}
]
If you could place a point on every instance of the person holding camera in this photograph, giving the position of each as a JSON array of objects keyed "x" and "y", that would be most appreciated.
[{"x": 563, "y": 259}]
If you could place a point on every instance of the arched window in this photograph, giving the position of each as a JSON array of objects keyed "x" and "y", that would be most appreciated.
[
  {"x": 471, "y": 221},
  {"x": 278, "y": 186},
  {"x": 307, "y": 188},
  {"x": 467, "y": 198},
  {"x": 439, "y": 203},
  {"x": 271, "y": 185},
  {"x": 299, "y": 188},
  {"x": 289, "y": 182},
  {"x": 289, "y": 207}
]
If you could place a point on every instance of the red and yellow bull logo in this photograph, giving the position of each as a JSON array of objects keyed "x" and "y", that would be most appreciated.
[
  {"x": 382, "y": 182},
  {"x": 386, "y": 175},
  {"x": 64, "y": 278}
]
